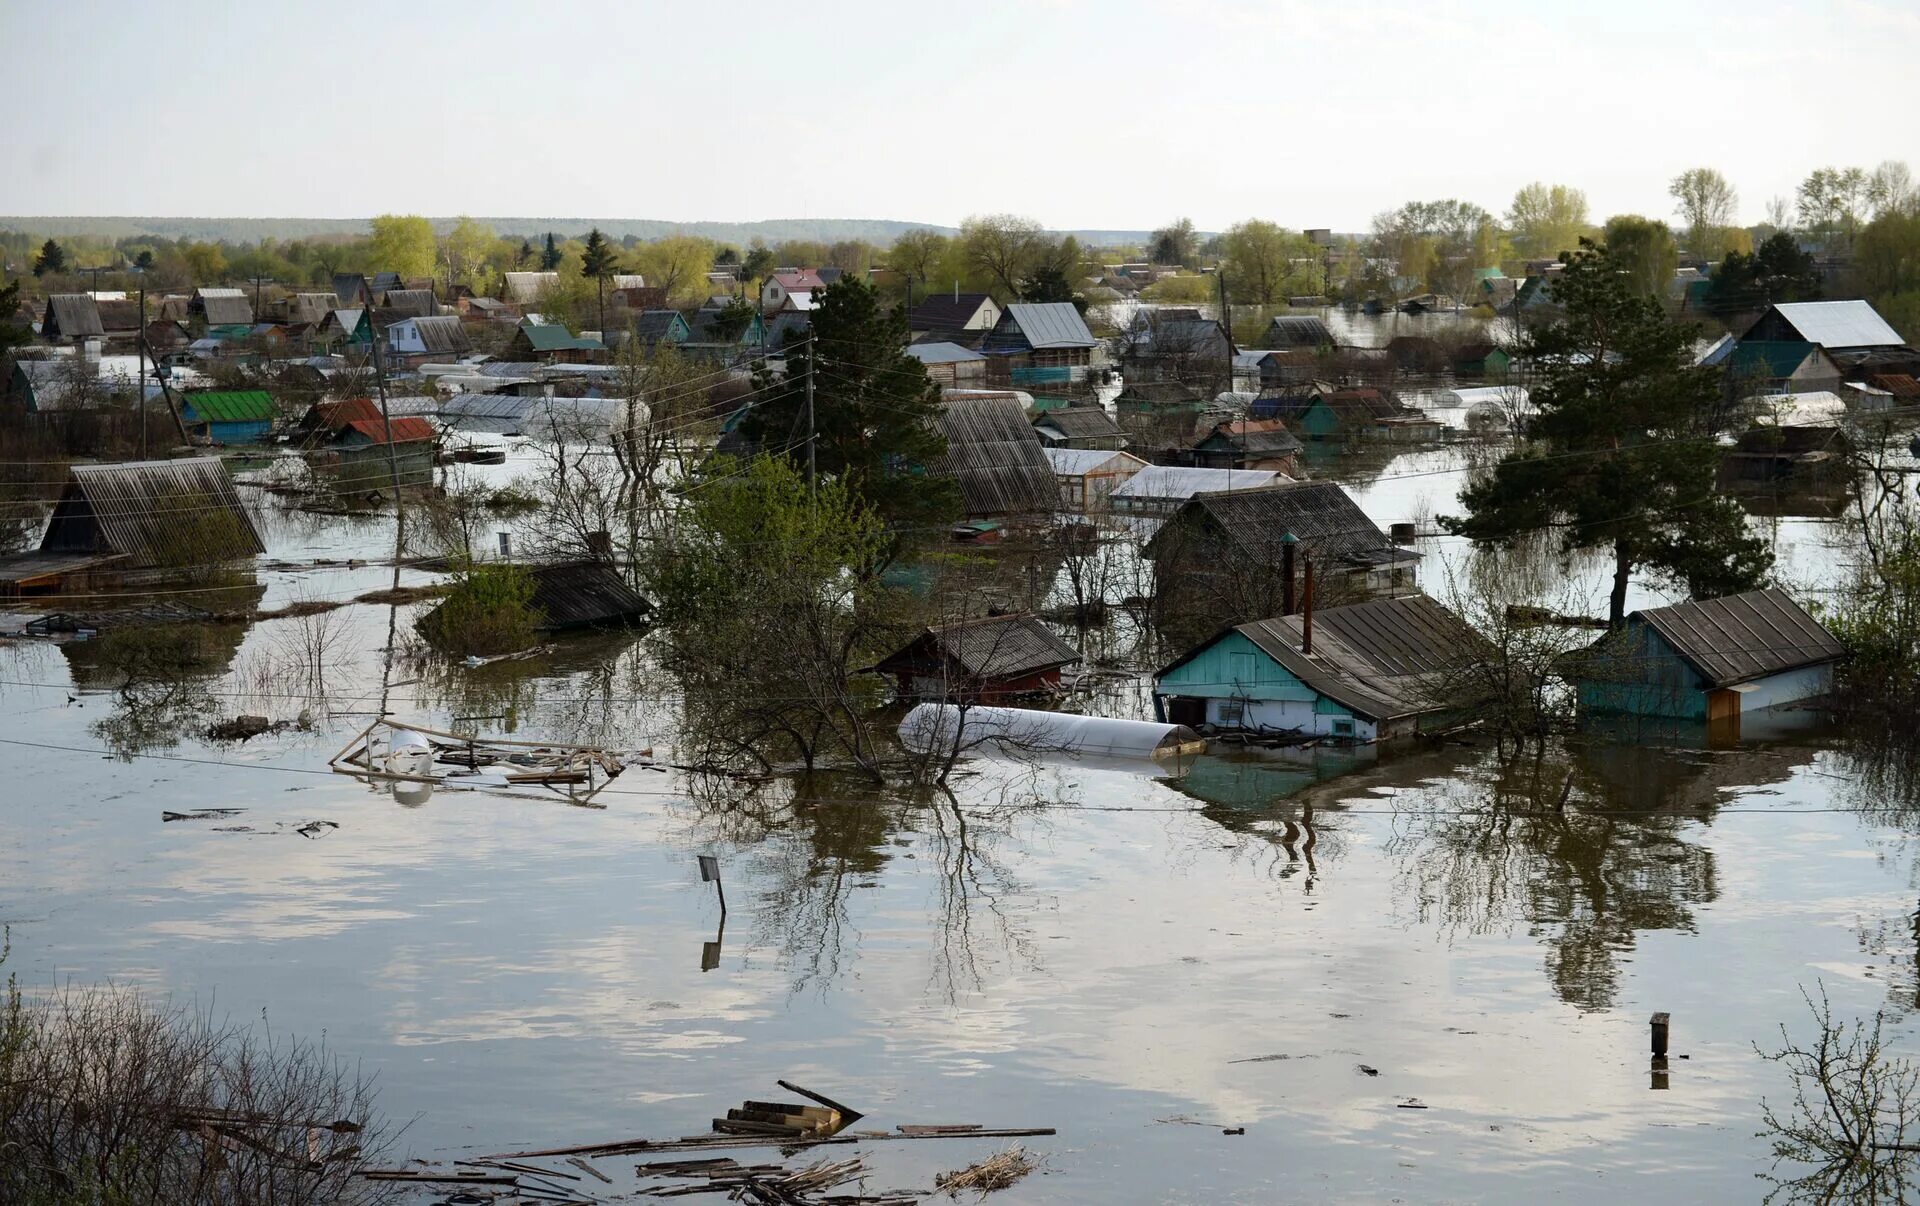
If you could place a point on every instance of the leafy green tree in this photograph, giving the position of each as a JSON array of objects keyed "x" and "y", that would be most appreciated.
[
  {"x": 51, "y": 260},
  {"x": 1546, "y": 219},
  {"x": 1886, "y": 269},
  {"x": 1001, "y": 250},
  {"x": 465, "y": 250},
  {"x": 550, "y": 258},
  {"x": 1707, "y": 203},
  {"x": 917, "y": 254},
  {"x": 1433, "y": 241},
  {"x": 758, "y": 264},
  {"x": 1049, "y": 284},
  {"x": 726, "y": 257},
  {"x": 773, "y": 592},
  {"x": 1174, "y": 243},
  {"x": 1830, "y": 201},
  {"x": 873, "y": 408},
  {"x": 403, "y": 243},
  {"x": 525, "y": 255},
  {"x": 1258, "y": 258},
  {"x": 143, "y": 261},
  {"x": 678, "y": 264},
  {"x": 12, "y": 334},
  {"x": 1643, "y": 249},
  {"x": 1778, "y": 271},
  {"x": 206, "y": 263},
  {"x": 1621, "y": 455}
]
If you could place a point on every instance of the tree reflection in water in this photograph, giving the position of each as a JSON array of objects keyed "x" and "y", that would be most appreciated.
[{"x": 813, "y": 841}]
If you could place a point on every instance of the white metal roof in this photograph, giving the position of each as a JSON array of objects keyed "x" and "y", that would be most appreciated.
[
  {"x": 1073, "y": 462},
  {"x": 942, "y": 353},
  {"x": 1051, "y": 324},
  {"x": 1840, "y": 324},
  {"x": 1175, "y": 481}
]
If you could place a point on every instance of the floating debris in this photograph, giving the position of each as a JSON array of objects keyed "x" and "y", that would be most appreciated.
[
  {"x": 994, "y": 1173},
  {"x": 407, "y": 757},
  {"x": 200, "y": 814}
]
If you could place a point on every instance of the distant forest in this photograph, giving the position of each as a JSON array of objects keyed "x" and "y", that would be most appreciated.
[{"x": 742, "y": 234}]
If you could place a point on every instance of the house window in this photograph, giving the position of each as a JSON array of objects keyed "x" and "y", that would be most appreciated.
[
  {"x": 1231, "y": 712},
  {"x": 1343, "y": 728}
]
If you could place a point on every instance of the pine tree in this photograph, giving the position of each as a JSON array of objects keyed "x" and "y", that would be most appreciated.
[
  {"x": 873, "y": 408},
  {"x": 597, "y": 264},
  {"x": 550, "y": 258},
  {"x": 52, "y": 259},
  {"x": 526, "y": 253},
  {"x": 1621, "y": 456}
]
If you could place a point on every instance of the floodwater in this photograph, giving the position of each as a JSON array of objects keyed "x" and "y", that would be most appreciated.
[{"x": 1139, "y": 961}]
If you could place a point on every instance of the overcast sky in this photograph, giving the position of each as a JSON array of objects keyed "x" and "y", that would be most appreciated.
[{"x": 1080, "y": 113}]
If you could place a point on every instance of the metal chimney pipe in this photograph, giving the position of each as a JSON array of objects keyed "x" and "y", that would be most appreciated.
[
  {"x": 1287, "y": 546},
  {"x": 1306, "y": 624}
]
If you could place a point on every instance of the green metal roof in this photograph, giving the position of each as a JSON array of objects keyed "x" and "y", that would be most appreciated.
[
  {"x": 1768, "y": 358},
  {"x": 552, "y": 337},
  {"x": 232, "y": 406}
]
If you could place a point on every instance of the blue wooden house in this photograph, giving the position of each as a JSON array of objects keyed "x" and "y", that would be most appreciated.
[
  {"x": 1367, "y": 672},
  {"x": 242, "y": 416},
  {"x": 1039, "y": 343},
  {"x": 1709, "y": 660}
]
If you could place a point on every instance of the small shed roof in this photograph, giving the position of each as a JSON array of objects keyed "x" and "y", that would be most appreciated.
[
  {"x": 993, "y": 647},
  {"x": 627, "y": 280},
  {"x": 552, "y": 337},
  {"x": 232, "y": 406},
  {"x": 417, "y": 302},
  {"x": 1322, "y": 516},
  {"x": 583, "y": 594},
  {"x": 407, "y": 429},
  {"x": 1839, "y": 324},
  {"x": 527, "y": 286},
  {"x": 655, "y": 325},
  {"x": 1297, "y": 331},
  {"x": 1739, "y": 638},
  {"x": 946, "y": 312}
]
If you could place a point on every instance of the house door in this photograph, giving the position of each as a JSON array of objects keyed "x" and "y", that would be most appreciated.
[
  {"x": 1186, "y": 711},
  {"x": 1723, "y": 719}
]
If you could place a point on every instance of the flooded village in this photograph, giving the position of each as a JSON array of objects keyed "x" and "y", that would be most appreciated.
[{"x": 573, "y": 711}]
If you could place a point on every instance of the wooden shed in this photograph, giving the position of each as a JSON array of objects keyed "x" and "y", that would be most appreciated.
[
  {"x": 988, "y": 660},
  {"x": 995, "y": 456},
  {"x": 159, "y": 519},
  {"x": 1710, "y": 659}
]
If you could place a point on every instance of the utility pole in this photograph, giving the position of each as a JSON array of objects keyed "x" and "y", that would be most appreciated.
[
  {"x": 813, "y": 351},
  {"x": 140, "y": 392},
  {"x": 257, "y": 282}
]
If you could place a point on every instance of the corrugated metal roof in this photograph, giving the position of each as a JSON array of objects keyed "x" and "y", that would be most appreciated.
[
  {"x": 942, "y": 353},
  {"x": 414, "y": 302},
  {"x": 231, "y": 406},
  {"x": 527, "y": 286},
  {"x": 552, "y": 337},
  {"x": 309, "y": 307},
  {"x": 1298, "y": 331},
  {"x": 1839, "y": 324},
  {"x": 627, "y": 280},
  {"x": 222, "y": 307},
  {"x": 157, "y": 513},
  {"x": 1743, "y": 637},
  {"x": 997, "y": 458},
  {"x": 1382, "y": 659},
  {"x": 407, "y": 429},
  {"x": 584, "y": 594},
  {"x": 1050, "y": 324},
  {"x": 1182, "y": 482},
  {"x": 1769, "y": 358}
]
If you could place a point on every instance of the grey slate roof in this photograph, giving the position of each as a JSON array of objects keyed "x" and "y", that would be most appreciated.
[
  {"x": 997, "y": 458},
  {"x": 996, "y": 647},
  {"x": 945, "y": 312},
  {"x": 1743, "y": 637},
  {"x": 442, "y": 333},
  {"x": 1382, "y": 659},
  {"x": 418, "y": 302},
  {"x": 222, "y": 307},
  {"x": 1079, "y": 422},
  {"x": 71, "y": 316},
  {"x": 584, "y": 594},
  {"x": 1321, "y": 515},
  {"x": 1051, "y": 324}
]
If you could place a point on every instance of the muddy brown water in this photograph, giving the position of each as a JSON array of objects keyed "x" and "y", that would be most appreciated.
[{"x": 1140, "y": 961}]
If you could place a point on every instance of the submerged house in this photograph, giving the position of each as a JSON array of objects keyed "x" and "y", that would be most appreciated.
[
  {"x": 585, "y": 594},
  {"x": 989, "y": 660},
  {"x": 1363, "y": 673},
  {"x": 351, "y": 441},
  {"x": 1710, "y": 659},
  {"x": 1079, "y": 427},
  {"x": 1089, "y": 476},
  {"x": 1788, "y": 457},
  {"x": 949, "y": 365},
  {"x": 1039, "y": 343},
  {"x": 1249, "y": 444},
  {"x": 135, "y": 523},
  {"x": 1160, "y": 490},
  {"x": 240, "y": 416},
  {"x": 1836, "y": 326}
]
